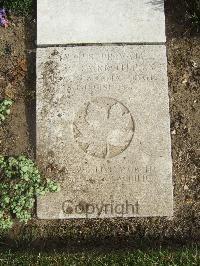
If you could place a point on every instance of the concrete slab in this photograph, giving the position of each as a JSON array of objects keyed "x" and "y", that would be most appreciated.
[
  {"x": 103, "y": 124},
  {"x": 105, "y": 21}
]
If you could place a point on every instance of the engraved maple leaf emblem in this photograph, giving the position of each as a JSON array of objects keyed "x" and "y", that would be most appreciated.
[{"x": 104, "y": 128}]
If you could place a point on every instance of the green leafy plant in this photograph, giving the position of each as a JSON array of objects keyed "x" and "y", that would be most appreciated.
[
  {"x": 20, "y": 183},
  {"x": 5, "y": 106},
  {"x": 193, "y": 12}
]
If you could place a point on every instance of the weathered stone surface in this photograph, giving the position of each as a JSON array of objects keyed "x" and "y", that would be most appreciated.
[
  {"x": 103, "y": 123},
  {"x": 105, "y": 21}
]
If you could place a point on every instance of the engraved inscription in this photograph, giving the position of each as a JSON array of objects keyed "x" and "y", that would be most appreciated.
[{"x": 103, "y": 128}]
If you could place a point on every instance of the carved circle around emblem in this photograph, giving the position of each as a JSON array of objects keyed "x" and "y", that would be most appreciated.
[{"x": 103, "y": 127}]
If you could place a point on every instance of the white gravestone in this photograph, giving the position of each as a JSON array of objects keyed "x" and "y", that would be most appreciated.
[
  {"x": 103, "y": 120},
  {"x": 100, "y": 21}
]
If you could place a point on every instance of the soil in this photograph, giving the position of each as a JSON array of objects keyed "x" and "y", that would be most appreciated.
[{"x": 17, "y": 136}]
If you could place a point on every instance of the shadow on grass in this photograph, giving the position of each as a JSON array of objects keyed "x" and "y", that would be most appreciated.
[
  {"x": 30, "y": 38},
  {"x": 182, "y": 256}
]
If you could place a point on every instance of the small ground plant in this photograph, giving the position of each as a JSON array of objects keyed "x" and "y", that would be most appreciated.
[
  {"x": 5, "y": 106},
  {"x": 20, "y": 183}
]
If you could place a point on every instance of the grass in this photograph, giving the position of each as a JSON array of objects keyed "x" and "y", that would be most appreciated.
[
  {"x": 185, "y": 256},
  {"x": 18, "y": 6}
]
